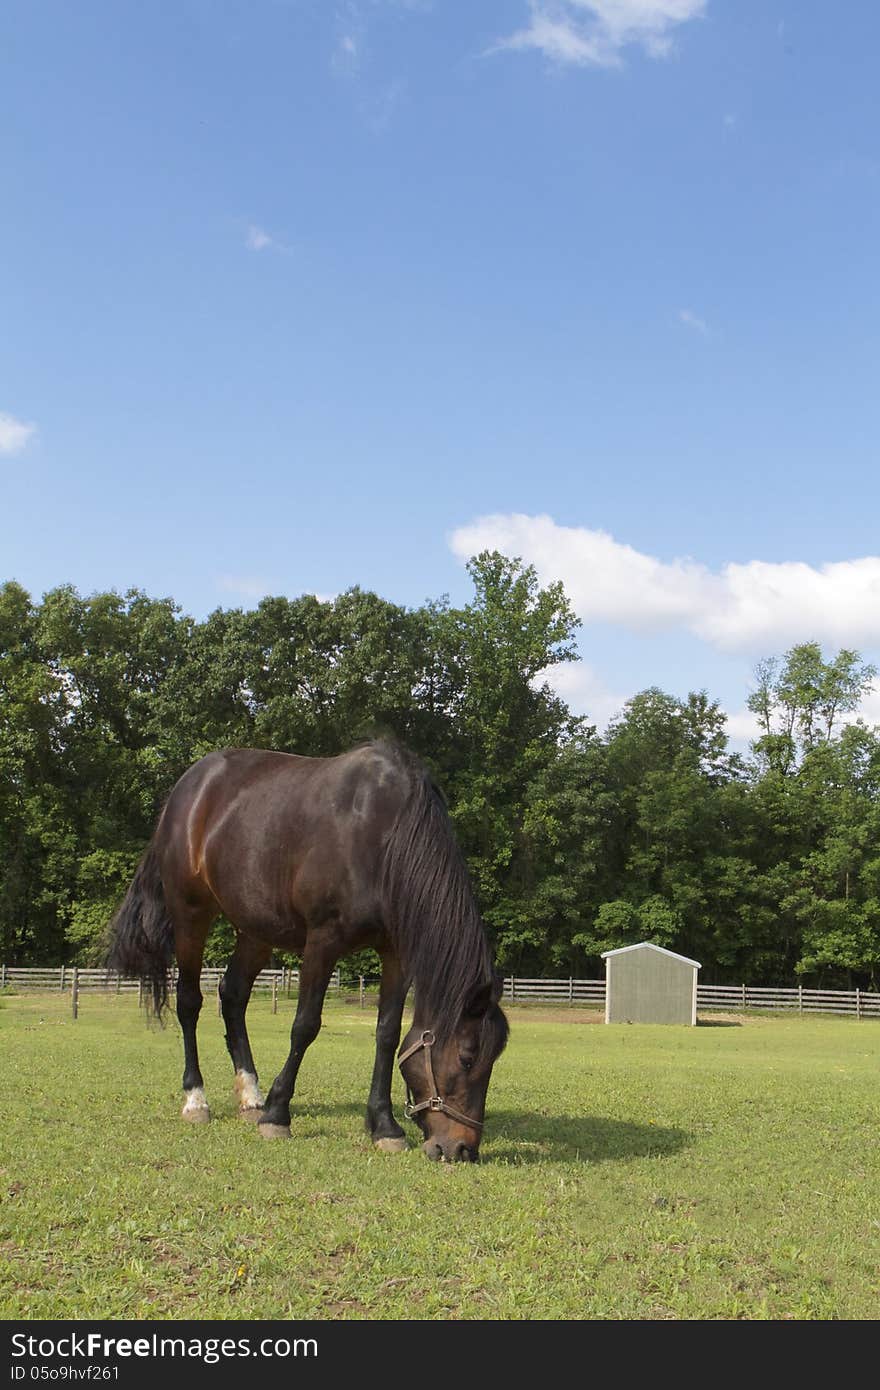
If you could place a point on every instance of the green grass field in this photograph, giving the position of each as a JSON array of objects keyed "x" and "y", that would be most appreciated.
[{"x": 726, "y": 1171}]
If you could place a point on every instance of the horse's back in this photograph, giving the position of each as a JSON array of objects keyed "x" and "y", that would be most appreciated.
[{"x": 274, "y": 837}]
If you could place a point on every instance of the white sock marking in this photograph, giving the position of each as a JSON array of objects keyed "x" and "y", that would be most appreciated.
[
  {"x": 250, "y": 1097},
  {"x": 195, "y": 1100}
]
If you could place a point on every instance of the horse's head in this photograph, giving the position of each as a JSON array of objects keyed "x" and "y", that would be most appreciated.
[{"x": 447, "y": 1078}]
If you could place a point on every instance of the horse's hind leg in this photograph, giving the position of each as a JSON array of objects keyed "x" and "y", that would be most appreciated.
[
  {"x": 248, "y": 959},
  {"x": 381, "y": 1124},
  {"x": 189, "y": 945}
]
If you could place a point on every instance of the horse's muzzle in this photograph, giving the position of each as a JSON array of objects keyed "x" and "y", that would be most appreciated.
[{"x": 449, "y": 1151}]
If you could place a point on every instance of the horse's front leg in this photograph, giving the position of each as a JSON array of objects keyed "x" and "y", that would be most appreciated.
[
  {"x": 381, "y": 1124},
  {"x": 319, "y": 958}
]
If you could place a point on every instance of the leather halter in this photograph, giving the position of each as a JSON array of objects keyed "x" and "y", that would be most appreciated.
[{"x": 435, "y": 1101}]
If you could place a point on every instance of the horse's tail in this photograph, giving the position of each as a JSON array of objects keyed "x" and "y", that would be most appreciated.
[{"x": 143, "y": 933}]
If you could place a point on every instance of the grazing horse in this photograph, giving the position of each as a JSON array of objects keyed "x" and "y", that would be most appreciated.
[{"x": 323, "y": 856}]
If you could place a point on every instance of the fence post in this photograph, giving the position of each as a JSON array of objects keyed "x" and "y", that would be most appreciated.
[
  {"x": 858, "y": 1003},
  {"x": 118, "y": 982},
  {"x": 275, "y": 994},
  {"x": 140, "y": 993},
  {"x": 570, "y": 991},
  {"x": 3, "y": 976},
  {"x": 512, "y": 987},
  {"x": 800, "y": 999},
  {"x": 75, "y": 992},
  {"x": 744, "y": 996}
]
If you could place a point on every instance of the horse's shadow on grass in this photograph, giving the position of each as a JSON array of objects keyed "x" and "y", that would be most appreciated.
[{"x": 521, "y": 1137}]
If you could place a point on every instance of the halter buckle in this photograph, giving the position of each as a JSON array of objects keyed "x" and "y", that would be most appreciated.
[{"x": 435, "y": 1103}]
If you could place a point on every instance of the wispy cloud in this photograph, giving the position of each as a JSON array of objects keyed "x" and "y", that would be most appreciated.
[
  {"x": 258, "y": 239},
  {"x": 347, "y": 54},
  {"x": 376, "y": 102},
  {"x": 594, "y": 33},
  {"x": 692, "y": 320},
  {"x": 350, "y": 49},
  {"x": 754, "y": 608},
  {"x": 245, "y": 585},
  {"x": 14, "y": 434},
  {"x": 378, "y": 108}
]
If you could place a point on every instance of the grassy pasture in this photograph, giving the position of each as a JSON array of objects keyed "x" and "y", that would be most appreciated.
[{"x": 727, "y": 1171}]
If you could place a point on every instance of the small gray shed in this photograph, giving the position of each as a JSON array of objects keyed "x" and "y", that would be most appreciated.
[{"x": 648, "y": 984}]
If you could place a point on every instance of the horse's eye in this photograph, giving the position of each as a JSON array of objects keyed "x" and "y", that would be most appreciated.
[{"x": 466, "y": 1062}]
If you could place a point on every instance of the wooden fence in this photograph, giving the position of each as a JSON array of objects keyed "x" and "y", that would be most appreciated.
[
  {"x": 727, "y": 998},
  {"x": 62, "y": 978},
  {"x": 859, "y": 1003}
]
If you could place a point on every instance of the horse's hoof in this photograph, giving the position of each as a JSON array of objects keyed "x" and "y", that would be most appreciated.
[
  {"x": 274, "y": 1131},
  {"x": 390, "y": 1146},
  {"x": 196, "y": 1114},
  {"x": 251, "y": 1113}
]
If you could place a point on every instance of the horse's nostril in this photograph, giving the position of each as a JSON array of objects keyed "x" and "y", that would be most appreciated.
[{"x": 432, "y": 1149}]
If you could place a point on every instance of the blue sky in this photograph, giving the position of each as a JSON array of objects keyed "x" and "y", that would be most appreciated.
[{"x": 296, "y": 295}]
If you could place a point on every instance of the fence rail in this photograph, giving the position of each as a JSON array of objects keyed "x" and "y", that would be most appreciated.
[
  {"x": 564, "y": 991},
  {"x": 858, "y": 1002},
  {"x": 854, "y": 1002}
]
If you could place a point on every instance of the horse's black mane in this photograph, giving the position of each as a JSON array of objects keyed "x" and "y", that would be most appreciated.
[{"x": 431, "y": 911}]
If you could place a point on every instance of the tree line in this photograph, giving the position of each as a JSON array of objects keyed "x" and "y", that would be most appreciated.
[{"x": 765, "y": 867}]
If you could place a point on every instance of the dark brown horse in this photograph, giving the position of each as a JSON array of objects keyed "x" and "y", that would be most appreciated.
[{"x": 323, "y": 856}]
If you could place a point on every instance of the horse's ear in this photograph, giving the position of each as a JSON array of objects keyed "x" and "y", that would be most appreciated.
[{"x": 480, "y": 1001}]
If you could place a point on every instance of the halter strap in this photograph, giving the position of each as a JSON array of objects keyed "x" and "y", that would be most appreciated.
[{"x": 435, "y": 1101}]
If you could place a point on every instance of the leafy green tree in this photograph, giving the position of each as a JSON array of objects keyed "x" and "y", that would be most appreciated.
[
  {"x": 800, "y": 701},
  {"x": 764, "y": 870},
  {"x": 507, "y": 726}
]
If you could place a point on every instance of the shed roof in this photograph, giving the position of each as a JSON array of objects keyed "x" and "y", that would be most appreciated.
[{"x": 649, "y": 946}]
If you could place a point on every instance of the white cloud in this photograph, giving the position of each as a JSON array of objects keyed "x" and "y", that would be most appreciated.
[
  {"x": 742, "y": 727},
  {"x": 756, "y": 608},
  {"x": 14, "y": 434},
  {"x": 584, "y": 691},
  {"x": 692, "y": 320},
  {"x": 593, "y": 33},
  {"x": 869, "y": 709}
]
